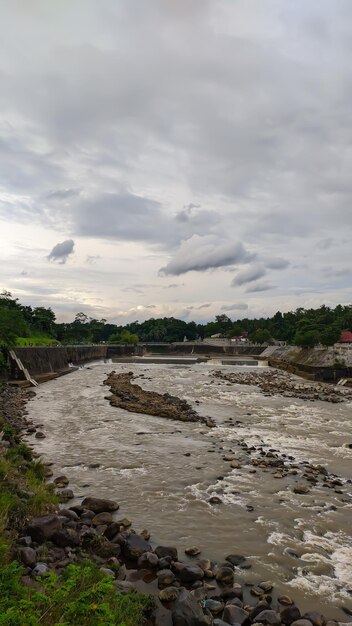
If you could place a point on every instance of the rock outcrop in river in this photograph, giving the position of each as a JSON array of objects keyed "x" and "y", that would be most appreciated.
[{"x": 131, "y": 397}]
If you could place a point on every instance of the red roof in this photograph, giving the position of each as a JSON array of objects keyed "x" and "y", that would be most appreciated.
[{"x": 345, "y": 337}]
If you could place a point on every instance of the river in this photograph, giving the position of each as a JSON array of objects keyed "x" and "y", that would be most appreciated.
[{"x": 163, "y": 473}]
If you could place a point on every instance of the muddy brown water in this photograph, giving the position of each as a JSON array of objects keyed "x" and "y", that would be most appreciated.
[{"x": 163, "y": 473}]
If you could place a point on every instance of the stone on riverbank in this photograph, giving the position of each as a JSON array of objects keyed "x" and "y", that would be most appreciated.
[
  {"x": 188, "y": 612},
  {"x": 100, "y": 505}
]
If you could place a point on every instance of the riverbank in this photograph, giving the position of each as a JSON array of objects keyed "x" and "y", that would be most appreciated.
[{"x": 141, "y": 566}]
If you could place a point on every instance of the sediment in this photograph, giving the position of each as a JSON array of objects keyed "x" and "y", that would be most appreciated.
[
  {"x": 276, "y": 382},
  {"x": 131, "y": 397},
  {"x": 188, "y": 592}
]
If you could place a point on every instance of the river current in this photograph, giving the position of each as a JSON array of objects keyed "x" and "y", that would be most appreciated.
[{"x": 164, "y": 472}]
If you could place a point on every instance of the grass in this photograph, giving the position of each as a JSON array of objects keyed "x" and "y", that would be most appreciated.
[
  {"x": 82, "y": 596},
  {"x": 36, "y": 341}
]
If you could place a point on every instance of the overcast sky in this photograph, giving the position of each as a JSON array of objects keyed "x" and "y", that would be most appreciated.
[{"x": 176, "y": 157}]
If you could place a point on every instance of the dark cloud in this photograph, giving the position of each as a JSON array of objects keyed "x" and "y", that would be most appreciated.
[
  {"x": 277, "y": 264},
  {"x": 203, "y": 253},
  {"x": 62, "y": 251},
  {"x": 248, "y": 275}
]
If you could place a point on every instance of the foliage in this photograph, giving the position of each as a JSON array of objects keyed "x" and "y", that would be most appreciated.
[
  {"x": 36, "y": 341},
  {"x": 82, "y": 595},
  {"x": 24, "y": 325},
  {"x": 307, "y": 339},
  {"x": 261, "y": 336}
]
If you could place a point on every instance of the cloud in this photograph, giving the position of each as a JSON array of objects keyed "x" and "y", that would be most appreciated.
[
  {"x": 248, "y": 275},
  {"x": 260, "y": 286},
  {"x": 62, "y": 251},
  {"x": 240, "y": 306},
  {"x": 204, "y": 253},
  {"x": 277, "y": 264}
]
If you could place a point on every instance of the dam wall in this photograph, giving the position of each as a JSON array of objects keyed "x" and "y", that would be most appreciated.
[
  {"x": 318, "y": 363},
  {"x": 201, "y": 349},
  {"x": 43, "y": 360}
]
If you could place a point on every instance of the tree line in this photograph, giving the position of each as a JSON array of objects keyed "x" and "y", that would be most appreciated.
[{"x": 24, "y": 325}]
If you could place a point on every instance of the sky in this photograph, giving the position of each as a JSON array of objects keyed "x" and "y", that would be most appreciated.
[{"x": 176, "y": 158}]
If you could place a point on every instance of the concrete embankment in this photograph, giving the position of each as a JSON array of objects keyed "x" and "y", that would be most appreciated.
[
  {"x": 44, "y": 363},
  {"x": 317, "y": 363},
  {"x": 202, "y": 349}
]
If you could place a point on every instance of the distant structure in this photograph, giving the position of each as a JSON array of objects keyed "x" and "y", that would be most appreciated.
[
  {"x": 242, "y": 338},
  {"x": 345, "y": 337}
]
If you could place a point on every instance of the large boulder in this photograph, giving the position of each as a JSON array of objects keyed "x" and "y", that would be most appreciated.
[
  {"x": 188, "y": 612},
  {"x": 269, "y": 617},
  {"x": 99, "y": 505},
  {"x": 165, "y": 551},
  {"x": 188, "y": 573},
  {"x": 225, "y": 576},
  {"x": 234, "y": 614},
  {"x": 42, "y": 528},
  {"x": 135, "y": 546}
]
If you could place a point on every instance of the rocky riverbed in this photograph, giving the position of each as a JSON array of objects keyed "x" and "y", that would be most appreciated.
[
  {"x": 272, "y": 382},
  {"x": 191, "y": 591},
  {"x": 238, "y": 460},
  {"x": 131, "y": 397}
]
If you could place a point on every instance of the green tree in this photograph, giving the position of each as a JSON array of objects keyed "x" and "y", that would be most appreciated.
[
  {"x": 261, "y": 335},
  {"x": 130, "y": 338},
  {"x": 307, "y": 339}
]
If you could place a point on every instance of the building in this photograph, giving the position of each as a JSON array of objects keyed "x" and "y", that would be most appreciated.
[
  {"x": 345, "y": 337},
  {"x": 242, "y": 338}
]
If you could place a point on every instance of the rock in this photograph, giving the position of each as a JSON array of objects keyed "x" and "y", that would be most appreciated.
[
  {"x": 135, "y": 546},
  {"x": 99, "y": 505},
  {"x": 234, "y": 614},
  {"x": 285, "y": 600},
  {"x": 71, "y": 515},
  {"x": 259, "y": 608},
  {"x": 193, "y": 551},
  {"x": 65, "y": 538},
  {"x": 215, "y": 500},
  {"x": 125, "y": 587},
  {"x": 188, "y": 612},
  {"x": 165, "y": 551},
  {"x": 225, "y": 576},
  {"x": 25, "y": 541},
  {"x": 39, "y": 435},
  {"x": 102, "y": 518},
  {"x": 188, "y": 573},
  {"x": 42, "y": 528},
  {"x": 301, "y": 622},
  {"x": 112, "y": 530},
  {"x": 300, "y": 488},
  {"x": 61, "y": 481},
  {"x": 219, "y": 622},
  {"x": 125, "y": 522},
  {"x": 64, "y": 494},
  {"x": 165, "y": 578},
  {"x": 148, "y": 560},
  {"x": 28, "y": 556},
  {"x": 317, "y": 619},
  {"x": 235, "y": 559},
  {"x": 145, "y": 534},
  {"x": 267, "y": 585},
  {"x": 269, "y": 617},
  {"x": 235, "y": 465},
  {"x": 107, "y": 572},
  {"x": 290, "y": 614},
  {"x": 214, "y": 606},
  {"x": 169, "y": 594},
  {"x": 40, "y": 570}
]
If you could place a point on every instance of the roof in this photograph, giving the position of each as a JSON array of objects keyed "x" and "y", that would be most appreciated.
[{"x": 345, "y": 337}]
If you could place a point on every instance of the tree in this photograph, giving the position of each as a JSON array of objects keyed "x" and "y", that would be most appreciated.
[
  {"x": 261, "y": 335},
  {"x": 329, "y": 336},
  {"x": 12, "y": 325},
  {"x": 114, "y": 338},
  {"x": 307, "y": 339},
  {"x": 130, "y": 338}
]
